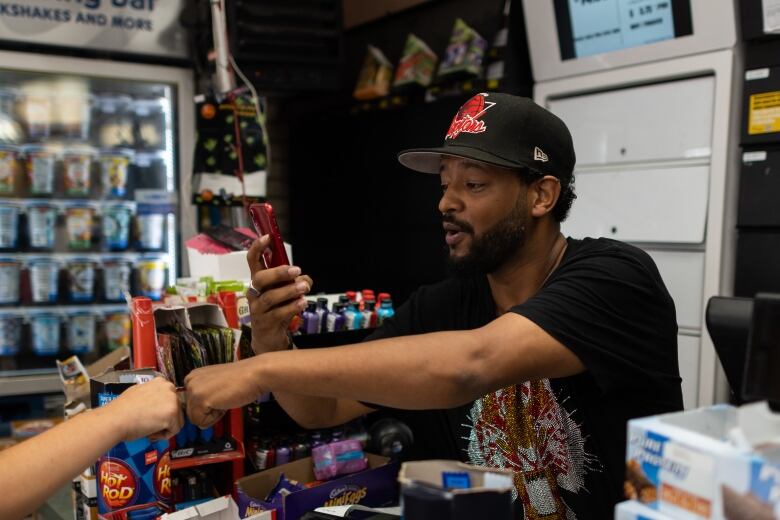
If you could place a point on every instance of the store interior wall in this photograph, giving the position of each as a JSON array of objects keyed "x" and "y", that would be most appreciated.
[{"x": 356, "y": 217}]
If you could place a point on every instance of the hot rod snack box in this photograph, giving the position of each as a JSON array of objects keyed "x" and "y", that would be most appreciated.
[{"x": 133, "y": 475}]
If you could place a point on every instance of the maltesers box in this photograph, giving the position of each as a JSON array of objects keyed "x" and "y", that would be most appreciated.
[
  {"x": 374, "y": 487},
  {"x": 684, "y": 466}
]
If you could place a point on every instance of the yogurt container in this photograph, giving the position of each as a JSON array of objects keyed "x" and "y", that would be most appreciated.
[
  {"x": 39, "y": 163},
  {"x": 9, "y": 156},
  {"x": 44, "y": 274},
  {"x": 116, "y": 279},
  {"x": 78, "y": 165},
  {"x": 118, "y": 330},
  {"x": 81, "y": 280},
  {"x": 150, "y": 115},
  {"x": 71, "y": 112},
  {"x": 9, "y": 280},
  {"x": 78, "y": 221},
  {"x": 151, "y": 231},
  {"x": 113, "y": 120},
  {"x": 37, "y": 108},
  {"x": 9, "y": 225},
  {"x": 116, "y": 226},
  {"x": 81, "y": 332},
  {"x": 113, "y": 166},
  {"x": 10, "y": 334},
  {"x": 41, "y": 225},
  {"x": 45, "y": 331},
  {"x": 151, "y": 277}
]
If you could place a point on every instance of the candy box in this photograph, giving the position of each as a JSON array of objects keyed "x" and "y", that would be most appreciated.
[
  {"x": 222, "y": 508},
  {"x": 133, "y": 475},
  {"x": 374, "y": 487},
  {"x": 685, "y": 466}
]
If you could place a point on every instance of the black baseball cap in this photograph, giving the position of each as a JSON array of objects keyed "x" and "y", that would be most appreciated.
[{"x": 502, "y": 130}]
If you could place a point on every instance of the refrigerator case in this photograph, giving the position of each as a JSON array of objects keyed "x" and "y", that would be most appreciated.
[{"x": 94, "y": 161}]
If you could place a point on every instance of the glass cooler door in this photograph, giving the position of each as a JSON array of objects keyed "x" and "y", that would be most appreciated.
[{"x": 87, "y": 212}]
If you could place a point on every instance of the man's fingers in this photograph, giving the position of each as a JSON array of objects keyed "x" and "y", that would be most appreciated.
[
  {"x": 282, "y": 295},
  {"x": 284, "y": 313},
  {"x": 255, "y": 252},
  {"x": 307, "y": 279},
  {"x": 282, "y": 275}
]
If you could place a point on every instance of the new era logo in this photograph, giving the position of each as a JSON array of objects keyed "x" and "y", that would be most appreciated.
[{"x": 539, "y": 155}]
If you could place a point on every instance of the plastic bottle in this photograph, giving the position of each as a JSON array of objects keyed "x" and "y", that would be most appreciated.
[
  {"x": 353, "y": 318},
  {"x": 335, "y": 319},
  {"x": 369, "y": 315},
  {"x": 282, "y": 453},
  {"x": 385, "y": 311},
  {"x": 322, "y": 313},
  {"x": 311, "y": 320}
]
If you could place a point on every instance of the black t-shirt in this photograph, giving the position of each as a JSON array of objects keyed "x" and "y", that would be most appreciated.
[{"x": 564, "y": 438}]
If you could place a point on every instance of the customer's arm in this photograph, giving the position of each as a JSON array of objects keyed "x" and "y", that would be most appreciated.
[
  {"x": 32, "y": 471},
  {"x": 279, "y": 294},
  {"x": 437, "y": 370}
]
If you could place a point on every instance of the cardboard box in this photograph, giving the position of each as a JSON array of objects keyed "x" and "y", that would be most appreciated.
[
  {"x": 633, "y": 510},
  {"x": 228, "y": 266},
  {"x": 486, "y": 492},
  {"x": 374, "y": 487},
  {"x": 222, "y": 508},
  {"x": 683, "y": 465},
  {"x": 134, "y": 474}
]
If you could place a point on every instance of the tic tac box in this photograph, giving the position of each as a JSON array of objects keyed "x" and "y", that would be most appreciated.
[
  {"x": 133, "y": 475},
  {"x": 683, "y": 465},
  {"x": 374, "y": 487}
]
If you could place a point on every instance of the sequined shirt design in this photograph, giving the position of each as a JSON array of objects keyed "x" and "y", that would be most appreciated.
[{"x": 526, "y": 429}]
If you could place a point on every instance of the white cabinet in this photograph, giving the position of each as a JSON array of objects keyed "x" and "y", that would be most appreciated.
[
  {"x": 663, "y": 121},
  {"x": 688, "y": 356},
  {"x": 664, "y": 205},
  {"x": 683, "y": 275}
]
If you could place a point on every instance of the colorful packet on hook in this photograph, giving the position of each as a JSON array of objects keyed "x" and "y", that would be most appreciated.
[
  {"x": 417, "y": 65},
  {"x": 464, "y": 53},
  {"x": 375, "y": 75}
]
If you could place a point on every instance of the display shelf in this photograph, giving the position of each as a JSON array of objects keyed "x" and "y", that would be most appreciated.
[
  {"x": 144, "y": 356},
  {"x": 211, "y": 458},
  {"x": 97, "y": 308},
  {"x": 40, "y": 383},
  {"x": 430, "y": 94}
]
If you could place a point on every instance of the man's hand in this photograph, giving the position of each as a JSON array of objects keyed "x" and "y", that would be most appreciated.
[
  {"x": 214, "y": 389},
  {"x": 274, "y": 301},
  {"x": 150, "y": 409}
]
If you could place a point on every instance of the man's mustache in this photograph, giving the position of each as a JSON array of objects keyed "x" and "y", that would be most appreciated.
[{"x": 464, "y": 226}]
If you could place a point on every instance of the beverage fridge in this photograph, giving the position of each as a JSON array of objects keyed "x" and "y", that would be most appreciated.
[{"x": 95, "y": 162}]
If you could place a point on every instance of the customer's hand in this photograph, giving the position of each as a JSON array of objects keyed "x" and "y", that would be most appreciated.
[
  {"x": 273, "y": 301},
  {"x": 149, "y": 409},
  {"x": 214, "y": 389}
]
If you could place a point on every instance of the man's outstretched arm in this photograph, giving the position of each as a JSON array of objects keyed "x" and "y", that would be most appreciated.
[{"x": 437, "y": 370}]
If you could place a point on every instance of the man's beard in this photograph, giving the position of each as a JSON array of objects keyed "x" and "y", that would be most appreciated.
[{"x": 493, "y": 248}]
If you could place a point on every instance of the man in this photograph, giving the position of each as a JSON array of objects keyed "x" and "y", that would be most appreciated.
[{"x": 535, "y": 354}]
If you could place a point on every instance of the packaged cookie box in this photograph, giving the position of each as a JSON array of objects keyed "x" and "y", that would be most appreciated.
[{"x": 684, "y": 466}]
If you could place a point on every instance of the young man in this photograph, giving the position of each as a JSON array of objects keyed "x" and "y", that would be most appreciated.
[{"x": 532, "y": 358}]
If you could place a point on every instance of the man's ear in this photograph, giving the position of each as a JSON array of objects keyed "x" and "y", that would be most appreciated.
[{"x": 544, "y": 195}]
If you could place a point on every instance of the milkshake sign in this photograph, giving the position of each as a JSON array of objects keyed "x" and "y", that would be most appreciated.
[{"x": 134, "y": 26}]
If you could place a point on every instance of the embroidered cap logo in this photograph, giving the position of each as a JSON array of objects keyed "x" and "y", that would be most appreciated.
[
  {"x": 539, "y": 155},
  {"x": 468, "y": 117}
]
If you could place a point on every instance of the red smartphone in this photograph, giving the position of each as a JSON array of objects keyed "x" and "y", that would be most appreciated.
[{"x": 264, "y": 219}]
